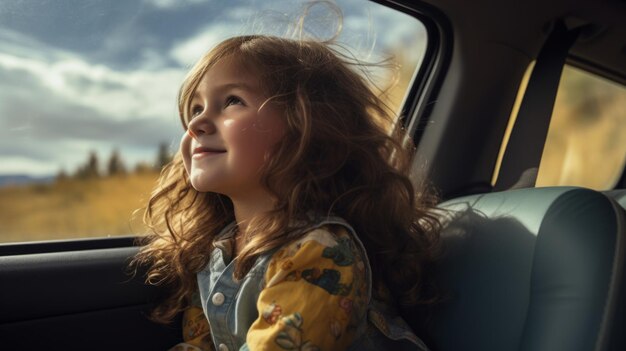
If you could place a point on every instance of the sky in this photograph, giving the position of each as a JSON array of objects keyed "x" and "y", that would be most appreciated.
[{"x": 97, "y": 75}]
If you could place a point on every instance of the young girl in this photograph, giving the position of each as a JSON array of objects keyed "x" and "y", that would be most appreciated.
[{"x": 287, "y": 220}]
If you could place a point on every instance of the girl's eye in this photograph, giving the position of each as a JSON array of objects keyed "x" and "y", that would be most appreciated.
[
  {"x": 232, "y": 100},
  {"x": 196, "y": 110}
]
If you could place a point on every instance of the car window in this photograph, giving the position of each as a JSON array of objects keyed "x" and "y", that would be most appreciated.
[
  {"x": 586, "y": 143},
  {"x": 88, "y": 96}
]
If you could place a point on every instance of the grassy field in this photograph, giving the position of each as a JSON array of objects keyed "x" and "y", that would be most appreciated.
[{"x": 97, "y": 207}]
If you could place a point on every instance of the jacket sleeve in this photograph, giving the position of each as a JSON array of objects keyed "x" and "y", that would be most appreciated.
[
  {"x": 315, "y": 296},
  {"x": 196, "y": 332}
]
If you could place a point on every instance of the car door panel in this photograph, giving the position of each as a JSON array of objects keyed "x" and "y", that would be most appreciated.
[{"x": 68, "y": 299}]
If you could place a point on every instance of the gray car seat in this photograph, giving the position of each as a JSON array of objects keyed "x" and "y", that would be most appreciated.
[
  {"x": 618, "y": 195},
  {"x": 538, "y": 269}
]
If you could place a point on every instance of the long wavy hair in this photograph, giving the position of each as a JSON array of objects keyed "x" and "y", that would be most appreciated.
[{"x": 340, "y": 155}]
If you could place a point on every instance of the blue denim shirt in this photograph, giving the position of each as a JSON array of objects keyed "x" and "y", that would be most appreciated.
[{"x": 231, "y": 306}]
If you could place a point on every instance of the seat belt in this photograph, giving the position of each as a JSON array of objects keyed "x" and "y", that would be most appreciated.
[{"x": 527, "y": 140}]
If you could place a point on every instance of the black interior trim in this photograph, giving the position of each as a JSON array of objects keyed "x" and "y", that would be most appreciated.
[
  {"x": 467, "y": 189},
  {"x": 123, "y": 328},
  {"x": 53, "y": 284},
  {"x": 35, "y": 247}
]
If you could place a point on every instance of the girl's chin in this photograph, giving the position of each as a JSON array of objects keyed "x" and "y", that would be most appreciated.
[
  {"x": 200, "y": 185},
  {"x": 202, "y": 189}
]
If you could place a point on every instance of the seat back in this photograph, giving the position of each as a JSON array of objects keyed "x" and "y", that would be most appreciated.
[
  {"x": 531, "y": 269},
  {"x": 618, "y": 195}
]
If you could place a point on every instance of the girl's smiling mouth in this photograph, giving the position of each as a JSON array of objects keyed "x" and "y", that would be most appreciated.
[{"x": 203, "y": 151}]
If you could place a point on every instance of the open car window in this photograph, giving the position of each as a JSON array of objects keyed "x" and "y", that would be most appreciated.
[{"x": 88, "y": 96}]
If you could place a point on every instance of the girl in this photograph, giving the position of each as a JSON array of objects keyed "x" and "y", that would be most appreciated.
[{"x": 287, "y": 220}]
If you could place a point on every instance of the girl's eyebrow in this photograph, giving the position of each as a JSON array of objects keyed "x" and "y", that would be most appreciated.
[
  {"x": 229, "y": 86},
  {"x": 236, "y": 85}
]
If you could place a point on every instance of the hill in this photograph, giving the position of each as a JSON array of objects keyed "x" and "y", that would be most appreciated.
[{"x": 20, "y": 179}]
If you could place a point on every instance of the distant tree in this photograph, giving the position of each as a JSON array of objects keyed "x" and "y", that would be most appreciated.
[
  {"x": 143, "y": 167},
  {"x": 164, "y": 156},
  {"x": 116, "y": 165},
  {"x": 62, "y": 175},
  {"x": 92, "y": 169},
  {"x": 89, "y": 170}
]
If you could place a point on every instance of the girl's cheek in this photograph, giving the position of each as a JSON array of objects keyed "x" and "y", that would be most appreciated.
[
  {"x": 260, "y": 128},
  {"x": 235, "y": 127}
]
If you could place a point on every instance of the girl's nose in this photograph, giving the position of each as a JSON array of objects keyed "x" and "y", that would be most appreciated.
[{"x": 200, "y": 126}]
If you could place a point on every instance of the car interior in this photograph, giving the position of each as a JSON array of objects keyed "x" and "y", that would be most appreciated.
[{"x": 523, "y": 267}]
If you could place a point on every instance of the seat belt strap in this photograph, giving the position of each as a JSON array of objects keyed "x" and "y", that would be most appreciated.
[{"x": 527, "y": 140}]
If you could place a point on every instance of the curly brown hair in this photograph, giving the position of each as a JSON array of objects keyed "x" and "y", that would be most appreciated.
[{"x": 342, "y": 153}]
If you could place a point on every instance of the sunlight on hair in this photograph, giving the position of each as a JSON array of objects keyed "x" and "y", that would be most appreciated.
[{"x": 319, "y": 20}]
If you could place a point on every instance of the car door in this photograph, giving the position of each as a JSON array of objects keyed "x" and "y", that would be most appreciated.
[{"x": 69, "y": 296}]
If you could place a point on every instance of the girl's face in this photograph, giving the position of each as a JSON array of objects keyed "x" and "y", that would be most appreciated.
[{"x": 230, "y": 133}]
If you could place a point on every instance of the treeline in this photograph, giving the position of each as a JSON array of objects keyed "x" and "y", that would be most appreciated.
[{"x": 115, "y": 165}]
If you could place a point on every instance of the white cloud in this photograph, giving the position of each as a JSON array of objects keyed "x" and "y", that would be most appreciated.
[
  {"x": 189, "y": 51},
  {"x": 114, "y": 93},
  {"x": 236, "y": 21},
  {"x": 17, "y": 165},
  {"x": 167, "y": 4},
  {"x": 241, "y": 13},
  {"x": 60, "y": 97}
]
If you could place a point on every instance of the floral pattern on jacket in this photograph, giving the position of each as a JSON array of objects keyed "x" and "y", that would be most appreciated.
[{"x": 314, "y": 297}]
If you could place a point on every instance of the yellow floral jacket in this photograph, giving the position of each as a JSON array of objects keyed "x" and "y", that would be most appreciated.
[{"x": 312, "y": 294}]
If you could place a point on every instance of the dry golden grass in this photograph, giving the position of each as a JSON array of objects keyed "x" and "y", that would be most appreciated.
[{"x": 74, "y": 208}]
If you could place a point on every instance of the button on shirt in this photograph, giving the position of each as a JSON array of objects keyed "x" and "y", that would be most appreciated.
[{"x": 218, "y": 299}]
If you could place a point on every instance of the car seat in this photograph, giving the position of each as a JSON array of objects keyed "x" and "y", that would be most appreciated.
[
  {"x": 531, "y": 269},
  {"x": 618, "y": 195}
]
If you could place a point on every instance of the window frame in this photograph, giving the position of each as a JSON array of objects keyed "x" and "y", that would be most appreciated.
[{"x": 415, "y": 110}]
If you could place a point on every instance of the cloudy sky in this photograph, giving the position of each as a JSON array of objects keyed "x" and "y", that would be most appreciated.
[{"x": 82, "y": 75}]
